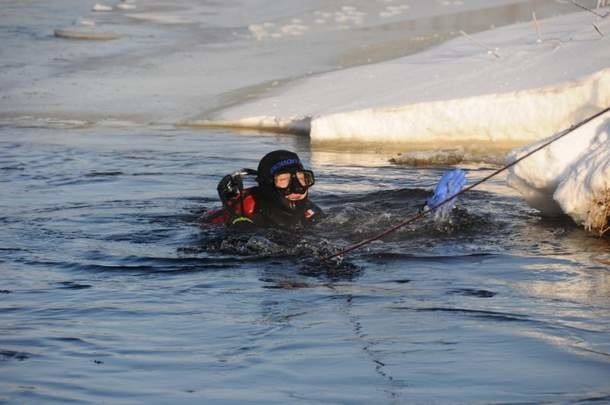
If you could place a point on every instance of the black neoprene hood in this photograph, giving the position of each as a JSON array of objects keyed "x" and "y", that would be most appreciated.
[{"x": 275, "y": 162}]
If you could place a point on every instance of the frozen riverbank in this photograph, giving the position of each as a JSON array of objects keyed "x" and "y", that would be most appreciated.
[
  {"x": 178, "y": 61},
  {"x": 572, "y": 175},
  {"x": 512, "y": 84}
]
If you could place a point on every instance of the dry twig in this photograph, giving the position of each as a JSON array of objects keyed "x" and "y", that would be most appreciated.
[
  {"x": 537, "y": 26},
  {"x": 598, "y": 217},
  {"x": 489, "y": 49},
  {"x": 588, "y": 9}
]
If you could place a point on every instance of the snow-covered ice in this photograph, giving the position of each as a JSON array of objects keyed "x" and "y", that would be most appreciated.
[
  {"x": 454, "y": 92},
  {"x": 572, "y": 175}
]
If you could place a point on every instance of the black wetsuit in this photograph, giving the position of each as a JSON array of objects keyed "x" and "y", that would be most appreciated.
[
  {"x": 263, "y": 210},
  {"x": 269, "y": 213},
  {"x": 267, "y": 205}
]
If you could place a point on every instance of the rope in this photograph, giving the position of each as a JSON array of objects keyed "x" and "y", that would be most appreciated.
[{"x": 427, "y": 210}]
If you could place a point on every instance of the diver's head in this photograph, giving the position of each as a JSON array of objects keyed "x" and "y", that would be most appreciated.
[{"x": 282, "y": 176}]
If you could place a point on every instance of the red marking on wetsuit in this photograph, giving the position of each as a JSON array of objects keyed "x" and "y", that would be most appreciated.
[
  {"x": 217, "y": 216},
  {"x": 249, "y": 206}
]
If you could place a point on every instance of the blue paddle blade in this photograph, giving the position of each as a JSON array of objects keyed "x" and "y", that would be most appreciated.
[{"x": 449, "y": 185}]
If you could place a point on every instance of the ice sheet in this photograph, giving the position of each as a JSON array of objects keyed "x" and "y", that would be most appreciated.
[
  {"x": 572, "y": 175},
  {"x": 180, "y": 60},
  {"x": 458, "y": 91}
]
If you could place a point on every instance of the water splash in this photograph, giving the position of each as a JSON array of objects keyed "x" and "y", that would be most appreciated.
[{"x": 449, "y": 185}]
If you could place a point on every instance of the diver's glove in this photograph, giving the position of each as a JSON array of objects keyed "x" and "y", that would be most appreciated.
[{"x": 229, "y": 188}]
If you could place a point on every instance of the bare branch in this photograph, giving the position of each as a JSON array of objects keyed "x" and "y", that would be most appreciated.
[
  {"x": 537, "y": 25},
  {"x": 489, "y": 49},
  {"x": 588, "y": 9}
]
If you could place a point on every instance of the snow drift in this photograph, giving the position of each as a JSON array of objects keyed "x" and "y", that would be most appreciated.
[
  {"x": 515, "y": 117},
  {"x": 572, "y": 175}
]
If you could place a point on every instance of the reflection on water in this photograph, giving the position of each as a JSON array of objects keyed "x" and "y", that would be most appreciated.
[
  {"x": 587, "y": 284},
  {"x": 329, "y": 157}
]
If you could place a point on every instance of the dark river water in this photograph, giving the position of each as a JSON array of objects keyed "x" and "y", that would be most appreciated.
[{"x": 112, "y": 292}]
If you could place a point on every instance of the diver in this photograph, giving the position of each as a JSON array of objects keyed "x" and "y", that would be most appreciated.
[{"x": 281, "y": 199}]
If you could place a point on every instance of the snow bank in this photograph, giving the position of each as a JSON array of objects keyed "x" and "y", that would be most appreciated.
[
  {"x": 460, "y": 92},
  {"x": 515, "y": 117},
  {"x": 572, "y": 175}
]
